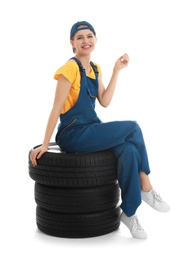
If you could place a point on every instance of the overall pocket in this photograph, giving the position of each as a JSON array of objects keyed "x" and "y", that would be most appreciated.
[
  {"x": 92, "y": 92},
  {"x": 63, "y": 129}
]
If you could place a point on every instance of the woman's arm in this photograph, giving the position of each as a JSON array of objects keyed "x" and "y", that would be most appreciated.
[
  {"x": 105, "y": 95},
  {"x": 62, "y": 90}
]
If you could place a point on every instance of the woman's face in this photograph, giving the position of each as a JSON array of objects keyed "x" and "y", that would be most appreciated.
[{"x": 84, "y": 41}]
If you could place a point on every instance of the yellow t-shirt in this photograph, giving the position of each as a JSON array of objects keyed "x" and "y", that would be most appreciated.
[{"x": 70, "y": 70}]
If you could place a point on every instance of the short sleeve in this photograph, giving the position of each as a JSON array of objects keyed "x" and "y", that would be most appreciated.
[{"x": 68, "y": 70}]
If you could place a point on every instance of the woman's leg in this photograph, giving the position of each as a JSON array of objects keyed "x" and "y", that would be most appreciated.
[
  {"x": 102, "y": 136},
  {"x": 145, "y": 182},
  {"x": 128, "y": 168},
  {"x": 126, "y": 140}
]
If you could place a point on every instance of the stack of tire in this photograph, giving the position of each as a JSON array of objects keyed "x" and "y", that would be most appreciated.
[{"x": 77, "y": 195}]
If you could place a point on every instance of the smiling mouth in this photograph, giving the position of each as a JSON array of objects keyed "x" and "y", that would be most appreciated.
[{"x": 86, "y": 46}]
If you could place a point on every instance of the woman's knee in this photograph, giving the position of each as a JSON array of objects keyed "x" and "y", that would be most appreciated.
[
  {"x": 137, "y": 127},
  {"x": 136, "y": 136}
]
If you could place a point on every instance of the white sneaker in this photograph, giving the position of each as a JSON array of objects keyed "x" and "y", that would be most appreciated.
[
  {"x": 153, "y": 199},
  {"x": 134, "y": 226}
]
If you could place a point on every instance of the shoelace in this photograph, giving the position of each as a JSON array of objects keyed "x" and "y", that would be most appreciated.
[
  {"x": 135, "y": 223},
  {"x": 156, "y": 197}
]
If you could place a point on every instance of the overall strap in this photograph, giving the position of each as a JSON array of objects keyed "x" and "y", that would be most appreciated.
[
  {"x": 95, "y": 69},
  {"x": 78, "y": 63},
  {"x": 81, "y": 67}
]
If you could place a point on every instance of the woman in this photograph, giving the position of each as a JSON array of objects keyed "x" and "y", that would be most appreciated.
[{"x": 79, "y": 83}]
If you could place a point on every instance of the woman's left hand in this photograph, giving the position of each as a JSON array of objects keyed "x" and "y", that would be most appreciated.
[{"x": 122, "y": 62}]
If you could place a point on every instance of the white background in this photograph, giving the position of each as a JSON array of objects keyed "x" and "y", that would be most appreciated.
[{"x": 34, "y": 44}]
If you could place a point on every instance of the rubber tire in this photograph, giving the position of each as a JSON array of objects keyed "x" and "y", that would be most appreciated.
[
  {"x": 78, "y": 225},
  {"x": 85, "y": 178},
  {"x": 76, "y": 200},
  {"x": 75, "y": 170}
]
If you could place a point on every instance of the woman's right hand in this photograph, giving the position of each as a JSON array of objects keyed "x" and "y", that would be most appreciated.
[{"x": 37, "y": 153}]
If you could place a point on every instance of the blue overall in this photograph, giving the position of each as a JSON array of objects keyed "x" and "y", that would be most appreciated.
[{"x": 81, "y": 131}]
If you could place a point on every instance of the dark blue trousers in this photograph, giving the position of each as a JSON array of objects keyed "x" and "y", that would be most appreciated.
[{"x": 126, "y": 140}]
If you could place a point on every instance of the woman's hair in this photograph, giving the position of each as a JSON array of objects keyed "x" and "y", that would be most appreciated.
[{"x": 74, "y": 49}]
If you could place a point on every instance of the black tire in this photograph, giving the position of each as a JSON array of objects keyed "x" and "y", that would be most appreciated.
[
  {"x": 74, "y": 170},
  {"x": 76, "y": 194},
  {"x": 76, "y": 200},
  {"x": 79, "y": 225}
]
